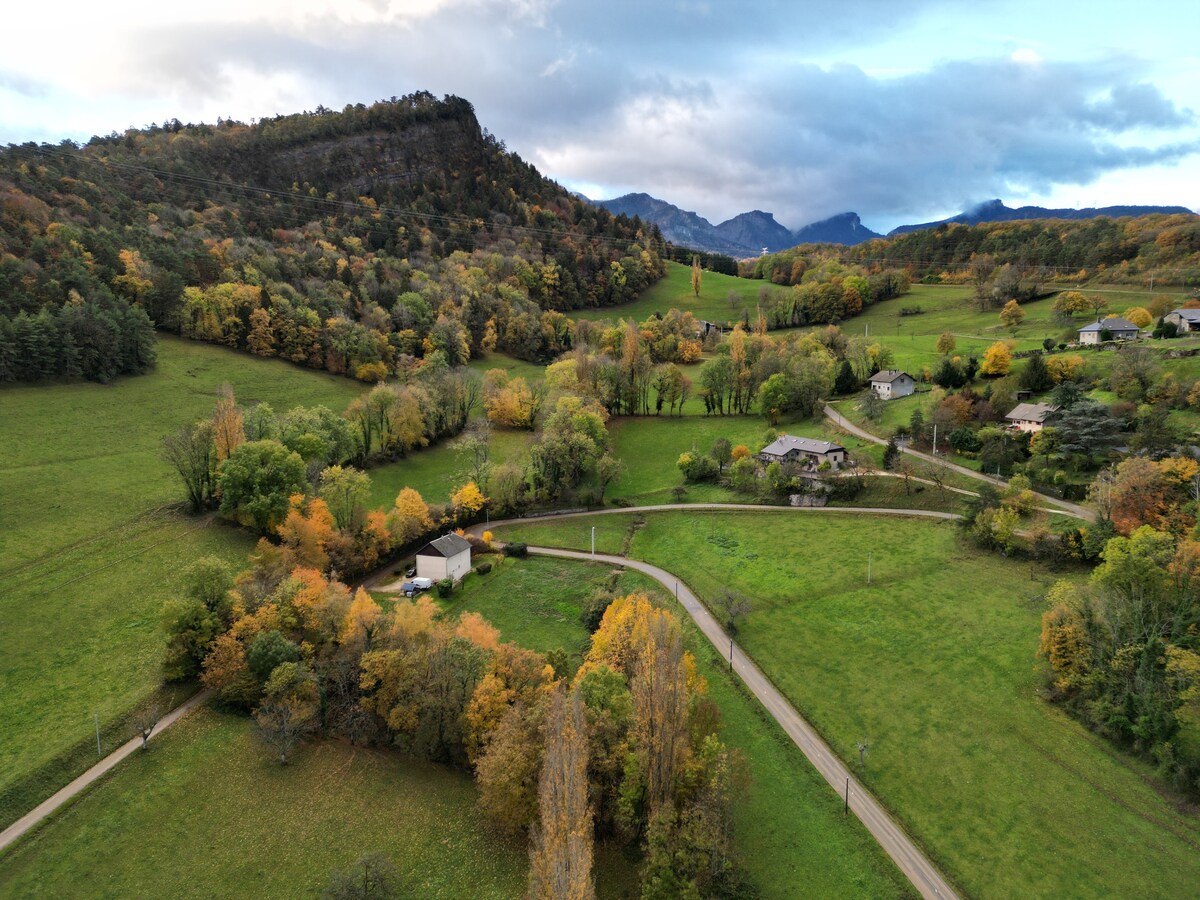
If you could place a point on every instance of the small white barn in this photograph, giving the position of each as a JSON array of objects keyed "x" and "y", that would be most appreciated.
[
  {"x": 1030, "y": 417},
  {"x": 1185, "y": 320},
  {"x": 892, "y": 383},
  {"x": 787, "y": 448},
  {"x": 446, "y": 557},
  {"x": 1120, "y": 329}
]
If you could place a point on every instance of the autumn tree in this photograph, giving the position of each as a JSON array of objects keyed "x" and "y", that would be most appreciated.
[
  {"x": 409, "y": 518},
  {"x": 227, "y": 429},
  {"x": 946, "y": 343},
  {"x": 696, "y": 276},
  {"x": 997, "y": 360},
  {"x": 1012, "y": 315},
  {"x": 562, "y": 843},
  {"x": 372, "y": 877},
  {"x": 467, "y": 501},
  {"x": 306, "y": 531}
]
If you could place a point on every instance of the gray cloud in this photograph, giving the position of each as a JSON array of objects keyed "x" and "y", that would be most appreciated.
[{"x": 706, "y": 108}]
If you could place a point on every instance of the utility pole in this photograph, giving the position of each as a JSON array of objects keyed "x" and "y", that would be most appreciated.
[
  {"x": 846, "y": 810},
  {"x": 868, "y": 567},
  {"x": 731, "y": 654},
  {"x": 593, "y": 542},
  {"x": 935, "y": 438}
]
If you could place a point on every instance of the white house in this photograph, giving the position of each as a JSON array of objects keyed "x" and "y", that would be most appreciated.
[
  {"x": 892, "y": 383},
  {"x": 1120, "y": 329},
  {"x": 1185, "y": 320},
  {"x": 1030, "y": 417},
  {"x": 786, "y": 448},
  {"x": 446, "y": 557}
]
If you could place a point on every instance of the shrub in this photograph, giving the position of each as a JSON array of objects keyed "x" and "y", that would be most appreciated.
[
  {"x": 517, "y": 550},
  {"x": 593, "y": 611},
  {"x": 621, "y": 502},
  {"x": 445, "y": 588},
  {"x": 483, "y": 568}
]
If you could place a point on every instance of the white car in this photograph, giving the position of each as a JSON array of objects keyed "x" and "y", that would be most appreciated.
[{"x": 423, "y": 583}]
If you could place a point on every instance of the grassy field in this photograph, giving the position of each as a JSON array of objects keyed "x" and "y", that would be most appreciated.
[
  {"x": 789, "y": 826},
  {"x": 934, "y": 666},
  {"x": 675, "y": 292},
  {"x": 208, "y": 813},
  {"x": 93, "y": 544}
]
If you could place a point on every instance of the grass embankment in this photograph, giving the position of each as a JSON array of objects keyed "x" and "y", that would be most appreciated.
[
  {"x": 933, "y": 664},
  {"x": 93, "y": 544},
  {"x": 788, "y": 826}
]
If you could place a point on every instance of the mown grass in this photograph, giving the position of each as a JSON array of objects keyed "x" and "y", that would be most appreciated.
[
  {"x": 933, "y": 664},
  {"x": 93, "y": 543},
  {"x": 788, "y": 826},
  {"x": 207, "y": 812}
]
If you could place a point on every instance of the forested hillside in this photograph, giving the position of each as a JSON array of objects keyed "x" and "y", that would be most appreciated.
[
  {"x": 1161, "y": 249},
  {"x": 358, "y": 242}
]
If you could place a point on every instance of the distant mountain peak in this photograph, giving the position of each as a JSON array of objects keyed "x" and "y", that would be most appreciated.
[{"x": 995, "y": 211}]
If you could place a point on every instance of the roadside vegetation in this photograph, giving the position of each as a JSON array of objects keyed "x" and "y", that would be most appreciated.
[{"x": 934, "y": 667}]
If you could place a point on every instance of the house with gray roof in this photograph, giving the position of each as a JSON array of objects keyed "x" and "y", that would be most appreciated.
[
  {"x": 1185, "y": 320},
  {"x": 446, "y": 557},
  {"x": 1119, "y": 330},
  {"x": 805, "y": 451},
  {"x": 1029, "y": 417},
  {"x": 892, "y": 383}
]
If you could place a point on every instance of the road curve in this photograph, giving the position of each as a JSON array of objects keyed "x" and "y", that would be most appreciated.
[
  {"x": 51, "y": 805},
  {"x": 1073, "y": 509},
  {"x": 907, "y": 856}
]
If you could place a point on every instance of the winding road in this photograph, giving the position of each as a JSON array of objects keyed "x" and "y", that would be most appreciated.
[
  {"x": 1074, "y": 509},
  {"x": 891, "y": 837}
]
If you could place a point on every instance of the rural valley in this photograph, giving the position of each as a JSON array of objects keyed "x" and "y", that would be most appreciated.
[{"x": 381, "y": 517}]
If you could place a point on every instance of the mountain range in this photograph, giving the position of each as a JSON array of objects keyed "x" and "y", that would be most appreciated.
[{"x": 750, "y": 233}]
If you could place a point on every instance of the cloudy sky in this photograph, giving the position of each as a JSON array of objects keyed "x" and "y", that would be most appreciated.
[{"x": 901, "y": 110}]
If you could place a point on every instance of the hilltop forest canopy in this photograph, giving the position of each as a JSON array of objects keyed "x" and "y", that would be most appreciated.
[
  {"x": 359, "y": 242},
  {"x": 1164, "y": 249}
]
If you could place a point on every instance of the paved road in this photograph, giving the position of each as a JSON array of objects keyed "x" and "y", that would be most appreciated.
[
  {"x": 34, "y": 817},
  {"x": 1074, "y": 509},
  {"x": 911, "y": 861}
]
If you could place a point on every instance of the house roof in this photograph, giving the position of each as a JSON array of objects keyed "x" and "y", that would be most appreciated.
[
  {"x": 1188, "y": 315},
  {"x": 887, "y": 376},
  {"x": 785, "y": 443},
  {"x": 1116, "y": 323},
  {"x": 1031, "y": 412},
  {"x": 447, "y": 545}
]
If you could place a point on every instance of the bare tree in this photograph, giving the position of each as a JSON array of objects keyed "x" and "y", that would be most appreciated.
[
  {"x": 732, "y": 606},
  {"x": 863, "y": 747},
  {"x": 145, "y": 722}
]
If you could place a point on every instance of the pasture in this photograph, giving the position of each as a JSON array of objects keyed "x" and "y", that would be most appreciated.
[
  {"x": 933, "y": 665},
  {"x": 93, "y": 543},
  {"x": 788, "y": 826}
]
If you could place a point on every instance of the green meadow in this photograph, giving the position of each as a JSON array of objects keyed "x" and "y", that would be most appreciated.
[
  {"x": 93, "y": 543},
  {"x": 933, "y": 664}
]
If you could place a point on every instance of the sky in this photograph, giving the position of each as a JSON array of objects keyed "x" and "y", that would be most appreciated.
[{"x": 900, "y": 110}]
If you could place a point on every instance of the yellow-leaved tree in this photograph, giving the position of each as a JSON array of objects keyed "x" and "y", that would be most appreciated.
[
  {"x": 409, "y": 518},
  {"x": 997, "y": 360},
  {"x": 467, "y": 500}
]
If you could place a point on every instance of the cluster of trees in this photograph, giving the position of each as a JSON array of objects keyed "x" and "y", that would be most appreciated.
[
  {"x": 824, "y": 294},
  {"x": 95, "y": 340},
  {"x": 712, "y": 262},
  {"x": 1123, "y": 651},
  {"x": 311, "y": 248},
  {"x": 625, "y": 748},
  {"x": 1119, "y": 250}
]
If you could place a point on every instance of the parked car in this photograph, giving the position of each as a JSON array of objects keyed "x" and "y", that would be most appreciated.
[{"x": 410, "y": 572}]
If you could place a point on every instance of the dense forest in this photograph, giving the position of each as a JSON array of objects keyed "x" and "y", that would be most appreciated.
[
  {"x": 359, "y": 242},
  {"x": 1163, "y": 249}
]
